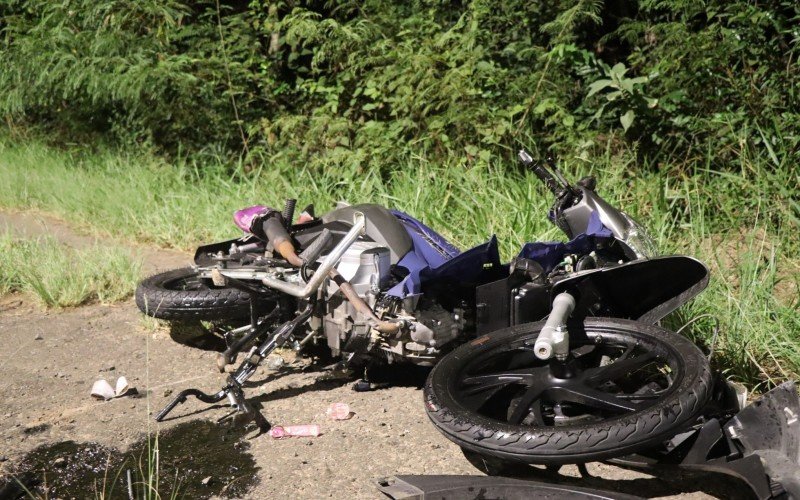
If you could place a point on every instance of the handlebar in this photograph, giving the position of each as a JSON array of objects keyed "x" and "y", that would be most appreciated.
[{"x": 554, "y": 184}]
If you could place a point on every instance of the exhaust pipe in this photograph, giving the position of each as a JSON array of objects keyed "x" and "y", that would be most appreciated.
[
  {"x": 275, "y": 230},
  {"x": 388, "y": 327}
]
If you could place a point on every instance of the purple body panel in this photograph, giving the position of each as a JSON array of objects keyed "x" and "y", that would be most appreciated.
[{"x": 244, "y": 217}]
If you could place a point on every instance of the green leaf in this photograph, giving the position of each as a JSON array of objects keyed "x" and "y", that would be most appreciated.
[
  {"x": 599, "y": 85},
  {"x": 599, "y": 112},
  {"x": 627, "y": 119},
  {"x": 543, "y": 106},
  {"x": 618, "y": 71}
]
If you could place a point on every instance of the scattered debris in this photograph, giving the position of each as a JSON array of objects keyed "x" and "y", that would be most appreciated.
[
  {"x": 101, "y": 389},
  {"x": 339, "y": 411},
  {"x": 275, "y": 362},
  {"x": 308, "y": 430},
  {"x": 122, "y": 386},
  {"x": 205, "y": 481}
]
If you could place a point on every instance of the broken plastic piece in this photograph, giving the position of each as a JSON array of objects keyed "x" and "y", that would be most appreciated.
[
  {"x": 308, "y": 430},
  {"x": 102, "y": 390},
  {"x": 339, "y": 411},
  {"x": 122, "y": 387}
]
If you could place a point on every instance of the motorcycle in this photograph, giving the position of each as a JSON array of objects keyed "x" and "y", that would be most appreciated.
[{"x": 378, "y": 286}]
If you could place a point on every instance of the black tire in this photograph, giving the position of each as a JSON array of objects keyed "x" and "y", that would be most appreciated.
[
  {"x": 181, "y": 295},
  {"x": 611, "y": 436}
]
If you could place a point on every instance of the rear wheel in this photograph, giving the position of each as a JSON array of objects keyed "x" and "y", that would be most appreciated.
[
  {"x": 181, "y": 294},
  {"x": 627, "y": 386}
]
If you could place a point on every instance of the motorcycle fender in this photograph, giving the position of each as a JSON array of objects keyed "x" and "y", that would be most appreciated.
[
  {"x": 644, "y": 290},
  {"x": 202, "y": 254}
]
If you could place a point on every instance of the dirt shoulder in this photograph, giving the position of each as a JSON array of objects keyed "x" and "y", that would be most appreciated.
[{"x": 51, "y": 359}]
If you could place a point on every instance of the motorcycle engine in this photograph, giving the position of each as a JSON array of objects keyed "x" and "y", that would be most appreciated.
[
  {"x": 366, "y": 266},
  {"x": 427, "y": 325}
]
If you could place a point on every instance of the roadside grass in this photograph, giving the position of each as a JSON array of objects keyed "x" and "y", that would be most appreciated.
[
  {"x": 742, "y": 222},
  {"x": 59, "y": 276}
]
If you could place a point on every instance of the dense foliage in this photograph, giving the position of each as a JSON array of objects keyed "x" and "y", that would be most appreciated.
[{"x": 360, "y": 84}]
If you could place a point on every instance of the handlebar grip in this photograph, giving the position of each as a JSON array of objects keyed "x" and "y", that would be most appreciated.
[{"x": 541, "y": 172}]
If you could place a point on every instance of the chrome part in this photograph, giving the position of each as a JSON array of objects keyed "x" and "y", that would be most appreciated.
[{"x": 239, "y": 274}]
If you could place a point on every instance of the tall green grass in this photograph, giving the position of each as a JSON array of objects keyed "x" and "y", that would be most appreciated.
[
  {"x": 59, "y": 276},
  {"x": 742, "y": 222}
]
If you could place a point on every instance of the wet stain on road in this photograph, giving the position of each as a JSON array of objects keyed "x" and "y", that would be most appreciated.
[{"x": 198, "y": 459}]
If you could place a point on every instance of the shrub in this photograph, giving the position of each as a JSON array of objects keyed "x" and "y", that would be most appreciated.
[{"x": 365, "y": 84}]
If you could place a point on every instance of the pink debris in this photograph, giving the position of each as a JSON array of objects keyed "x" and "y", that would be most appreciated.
[
  {"x": 339, "y": 411},
  {"x": 309, "y": 430}
]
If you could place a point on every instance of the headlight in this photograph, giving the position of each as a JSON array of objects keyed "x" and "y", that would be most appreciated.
[{"x": 638, "y": 239}]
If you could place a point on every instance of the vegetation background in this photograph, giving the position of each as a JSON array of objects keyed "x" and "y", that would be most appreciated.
[{"x": 152, "y": 120}]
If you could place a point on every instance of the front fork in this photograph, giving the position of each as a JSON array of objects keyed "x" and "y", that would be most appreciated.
[{"x": 553, "y": 340}]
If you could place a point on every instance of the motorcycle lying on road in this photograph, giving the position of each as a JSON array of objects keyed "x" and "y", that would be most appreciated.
[{"x": 596, "y": 378}]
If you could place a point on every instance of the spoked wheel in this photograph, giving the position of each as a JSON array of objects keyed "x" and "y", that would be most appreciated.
[
  {"x": 182, "y": 294},
  {"x": 626, "y": 386}
]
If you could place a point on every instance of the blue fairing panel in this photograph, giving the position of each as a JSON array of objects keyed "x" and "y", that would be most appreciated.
[
  {"x": 550, "y": 254},
  {"x": 434, "y": 258}
]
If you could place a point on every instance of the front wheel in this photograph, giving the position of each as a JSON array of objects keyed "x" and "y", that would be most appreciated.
[{"x": 626, "y": 386}]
